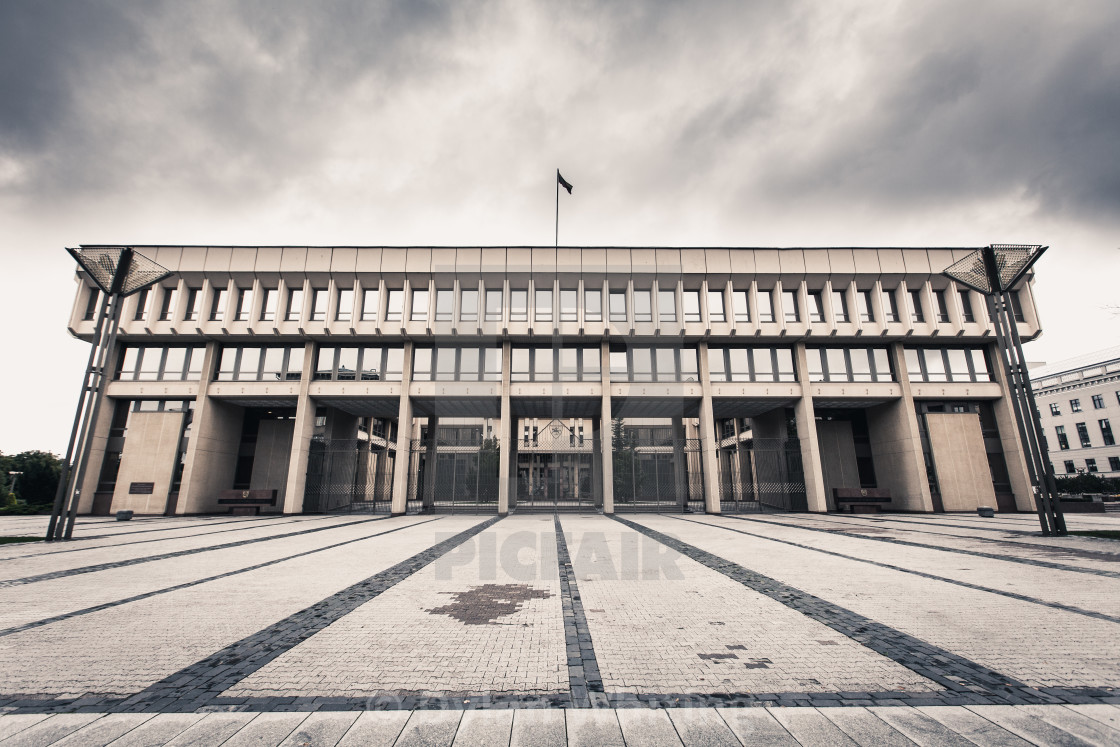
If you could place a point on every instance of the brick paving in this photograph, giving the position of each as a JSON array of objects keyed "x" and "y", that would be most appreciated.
[{"x": 468, "y": 630}]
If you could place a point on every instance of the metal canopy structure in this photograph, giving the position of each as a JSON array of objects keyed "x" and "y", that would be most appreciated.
[
  {"x": 118, "y": 272},
  {"x": 993, "y": 271}
]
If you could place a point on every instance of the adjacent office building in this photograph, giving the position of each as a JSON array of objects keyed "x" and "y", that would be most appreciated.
[
  {"x": 1079, "y": 400},
  {"x": 498, "y": 379}
]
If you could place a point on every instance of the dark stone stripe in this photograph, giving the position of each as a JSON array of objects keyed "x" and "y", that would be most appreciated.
[
  {"x": 923, "y": 574},
  {"x": 261, "y": 525},
  {"x": 954, "y": 673},
  {"x": 177, "y": 554},
  {"x": 200, "y": 683},
  {"x": 188, "y": 584},
  {"x": 584, "y": 680},
  {"x": 973, "y": 553}
]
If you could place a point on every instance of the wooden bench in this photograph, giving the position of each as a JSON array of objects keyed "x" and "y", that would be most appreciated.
[
  {"x": 246, "y": 502},
  {"x": 861, "y": 500}
]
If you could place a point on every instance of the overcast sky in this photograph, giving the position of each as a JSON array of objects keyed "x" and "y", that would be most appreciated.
[{"x": 784, "y": 123}]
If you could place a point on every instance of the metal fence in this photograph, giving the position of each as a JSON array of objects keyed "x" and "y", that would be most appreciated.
[
  {"x": 657, "y": 474},
  {"x": 557, "y": 470},
  {"x": 453, "y": 473},
  {"x": 761, "y": 475},
  {"x": 349, "y": 475}
]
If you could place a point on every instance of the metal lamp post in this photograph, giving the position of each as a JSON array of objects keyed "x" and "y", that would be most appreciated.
[
  {"x": 993, "y": 271},
  {"x": 118, "y": 272}
]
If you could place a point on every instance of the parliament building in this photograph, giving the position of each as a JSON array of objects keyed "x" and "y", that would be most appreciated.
[{"x": 511, "y": 379}]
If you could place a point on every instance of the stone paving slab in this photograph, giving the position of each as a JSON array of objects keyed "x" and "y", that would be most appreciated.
[
  {"x": 472, "y": 623},
  {"x": 982, "y": 627},
  {"x": 704, "y": 633}
]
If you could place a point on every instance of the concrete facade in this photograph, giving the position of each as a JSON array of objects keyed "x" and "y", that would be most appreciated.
[{"x": 498, "y": 379}]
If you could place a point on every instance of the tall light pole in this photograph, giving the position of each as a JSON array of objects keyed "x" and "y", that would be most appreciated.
[
  {"x": 993, "y": 271},
  {"x": 118, "y": 272}
]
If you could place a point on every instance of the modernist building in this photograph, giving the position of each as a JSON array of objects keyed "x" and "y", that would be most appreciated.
[
  {"x": 516, "y": 378},
  {"x": 1079, "y": 401}
]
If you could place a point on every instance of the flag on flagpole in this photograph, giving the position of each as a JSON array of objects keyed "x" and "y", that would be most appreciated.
[{"x": 563, "y": 182}]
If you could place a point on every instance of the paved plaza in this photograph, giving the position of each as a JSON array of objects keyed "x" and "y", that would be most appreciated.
[{"x": 580, "y": 629}]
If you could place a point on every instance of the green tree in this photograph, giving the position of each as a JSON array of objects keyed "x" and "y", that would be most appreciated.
[
  {"x": 624, "y": 452},
  {"x": 37, "y": 485}
]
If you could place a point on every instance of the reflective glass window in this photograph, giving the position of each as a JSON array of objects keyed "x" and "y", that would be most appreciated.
[
  {"x": 543, "y": 362},
  {"x": 784, "y": 358},
  {"x": 345, "y": 310},
  {"x": 167, "y": 308},
  {"x": 218, "y": 306},
  {"x": 519, "y": 364},
  {"x": 419, "y": 311},
  {"x": 143, "y": 299},
  {"x": 394, "y": 364},
  {"x": 864, "y": 305},
  {"x": 890, "y": 305},
  {"x": 569, "y": 364},
  {"x": 268, "y": 305},
  {"x": 816, "y": 307},
  {"x": 493, "y": 304},
  {"x": 618, "y": 306},
  {"x": 689, "y": 368},
  {"x": 738, "y": 364},
  {"x": 445, "y": 364},
  {"x": 690, "y": 299},
  {"x": 942, "y": 306},
  {"x": 837, "y": 365},
  {"x": 740, "y": 306},
  {"x": 716, "y": 312},
  {"x": 789, "y": 306},
  {"x": 150, "y": 360},
  {"x": 916, "y": 314},
  {"x": 371, "y": 364},
  {"x": 445, "y": 304},
  {"x": 469, "y": 364},
  {"x": 244, "y": 304},
  {"x": 935, "y": 366},
  {"x": 543, "y": 309},
  {"x": 295, "y": 305},
  {"x": 421, "y": 364},
  {"x": 194, "y": 300},
  {"x": 248, "y": 366},
  {"x": 814, "y": 358},
  {"x": 468, "y": 305},
  {"x": 347, "y": 364},
  {"x": 619, "y": 371},
  {"x": 569, "y": 304},
  {"x": 642, "y": 364},
  {"x": 273, "y": 364},
  {"x": 840, "y": 307},
  {"x": 518, "y": 305},
  {"x": 492, "y": 362},
  {"x": 324, "y": 363},
  {"x": 666, "y": 364},
  {"x": 966, "y": 306},
  {"x": 593, "y": 305},
  {"x": 717, "y": 364},
  {"x": 765, "y": 299},
  {"x": 369, "y": 304},
  {"x": 591, "y": 358},
  {"x": 667, "y": 305},
  {"x": 394, "y": 305},
  {"x": 643, "y": 306}
]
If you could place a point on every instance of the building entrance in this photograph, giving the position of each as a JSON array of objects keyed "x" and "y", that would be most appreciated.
[{"x": 556, "y": 471}]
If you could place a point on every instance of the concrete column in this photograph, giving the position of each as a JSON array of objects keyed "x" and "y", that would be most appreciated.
[
  {"x": 404, "y": 435},
  {"x": 431, "y": 453},
  {"x": 505, "y": 437},
  {"x": 806, "y": 417},
  {"x": 709, "y": 444},
  {"x": 606, "y": 448},
  {"x": 98, "y": 440},
  {"x": 296, "y": 484},
  {"x": 680, "y": 484},
  {"x": 215, "y": 438},
  {"x": 597, "y": 463},
  {"x": 896, "y": 445},
  {"x": 1014, "y": 455}
]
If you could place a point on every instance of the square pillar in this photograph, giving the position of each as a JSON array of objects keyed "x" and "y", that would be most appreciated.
[
  {"x": 709, "y": 444},
  {"x": 507, "y": 442},
  {"x": 296, "y": 484},
  {"x": 402, "y": 467},
  {"x": 805, "y": 414},
  {"x": 606, "y": 448}
]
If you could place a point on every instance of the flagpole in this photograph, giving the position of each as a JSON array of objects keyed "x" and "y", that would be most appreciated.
[{"x": 556, "y": 244}]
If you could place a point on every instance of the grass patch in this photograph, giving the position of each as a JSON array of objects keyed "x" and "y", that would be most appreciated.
[
  {"x": 11, "y": 540},
  {"x": 1111, "y": 534}
]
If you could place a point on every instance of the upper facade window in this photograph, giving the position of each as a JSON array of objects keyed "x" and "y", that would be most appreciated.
[
  {"x": 840, "y": 307},
  {"x": 666, "y": 305},
  {"x": 643, "y": 363},
  {"x": 942, "y": 306},
  {"x": 518, "y": 305},
  {"x": 345, "y": 310},
  {"x": 370, "y": 299},
  {"x": 419, "y": 305},
  {"x": 716, "y": 313},
  {"x": 691, "y": 301},
  {"x": 816, "y": 307},
  {"x": 740, "y": 306},
  {"x": 143, "y": 301},
  {"x": 167, "y": 306},
  {"x": 789, "y": 306},
  {"x": 295, "y": 305},
  {"x": 268, "y": 305},
  {"x": 218, "y": 305},
  {"x": 92, "y": 301},
  {"x": 890, "y": 305},
  {"x": 765, "y": 300},
  {"x": 352, "y": 363},
  {"x": 493, "y": 304},
  {"x": 864, "y": 306},
  {"x": 849, "y": 364},
  {"x": 916, "y": 314},
  {"x": 750, "y": 364},
  {"x": 244, "y": 305},
  {"x": 445, "y": 304},
  {"x": 542, "y": 310},
  {"x": 593, "y": 305},
  {"x": 643, "y": 306},
  {"x": 617, "y": 301},
  {"x": 554, "y": 364},
  {"x": 966, "y": 306},
  {"x": 456, "y": 364},
  {"x": 260, "y": 364},
  {"x": 146, "y": 363},
  {"x": 569, "y": 304},
  {"x": 947, "y": 364}
]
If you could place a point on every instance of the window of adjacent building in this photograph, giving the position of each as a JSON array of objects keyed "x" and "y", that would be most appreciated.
[
  {"x": 194, "y": 300},
  {"x": 1063, "y": 441},
  {"x": 345, "y": 310},
  {"x": 690, "y": 299},
  {"x": 543, "y": 308},
  {"x": 143, "y": 299},
  {"x": 493, "y": 304},
  {"x": 569, "y": 305},
  {"x": 1083, "y": 435},
  {"x": 147, "y": 363},
  {"x": 1017, "y": 306},
  {"x": 916, "y": 314},
  {"x": 260, "y": 364},
  {"x": 1070, "y": 469},
  {"x": 816, "y": 306},
  {"x": 1106, "y": 432},
  {"x": 840, "y": 307},
  {"x": 369, "y": 304},
  {"x": 716, "y": 311},
  {"x": 617, "y": 301},
  {"x": 91, "y": 305},
  {"x": 167, "y": 307},
  {"x": 740, "y": 306},
  {"x": 1098, "y": 402},
  {"x": 1075, "y": 405},
  {"x": 750, "y": 364},
  {"x": 789, "y": 306},
  {"x": 394, "y": 306},
  {"x": 890, "y": 305},
  {"x": 218, "y": 306},
  {"x": 468, "y": 305},
  {"x": 942, "y": 306},
  {"x": 244, "y": 305},
  {"x": 419, "y": 310},
  {"x": 359, "y": 363},
  {"x": 445, "y": 304},
  {"x": 1114, "y": 464},
  {"x": 643, "y": 305},
  {"x": 848, "y": 364},
  {"x": 268, "y": 305},
  {"x": 864, "y": 306},
  {"x": 518, "y": 305},
  {"x": 294, "y": 307},
  {"x": 1054, "y": 409},
  {"x": 765, "y": 299},
  {"x": 666, "y": 305},
  {"x": 947, "y": 364},
  {"x": 966, "y": 306},
  {"x": 1091, "y": 465},
  {"x": 592, "y": 305}
]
